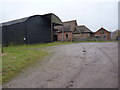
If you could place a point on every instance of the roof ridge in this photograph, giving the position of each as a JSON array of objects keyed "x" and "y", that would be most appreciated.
[{"x": 70, "y": 21}]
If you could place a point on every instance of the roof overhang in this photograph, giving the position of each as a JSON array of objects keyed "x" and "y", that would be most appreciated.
[{"x": 54, "y": 19}]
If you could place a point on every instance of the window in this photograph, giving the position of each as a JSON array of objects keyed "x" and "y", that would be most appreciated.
[
  {"x": 104, "y": 36},
  {"x": 66, "y": 35}
]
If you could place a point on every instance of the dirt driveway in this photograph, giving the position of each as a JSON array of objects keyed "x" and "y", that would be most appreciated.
[{"x": 81, "y": 65}]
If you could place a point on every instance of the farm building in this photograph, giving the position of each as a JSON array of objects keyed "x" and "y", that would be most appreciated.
[
  {"x": 102, "y": 34},
  {"x": 115, "y": 35},
  {"x": 82, "y": 33},
  {"x": 66, "y": 31},
  {"x": 30, "y": 30}
]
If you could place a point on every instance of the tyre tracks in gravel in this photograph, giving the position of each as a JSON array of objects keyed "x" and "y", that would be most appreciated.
[
  {"x": 83, "y": 65},
  {"x": 108, "y": 56}
]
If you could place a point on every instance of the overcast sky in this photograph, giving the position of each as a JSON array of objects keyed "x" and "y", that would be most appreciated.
[{"x": 92, "y": 13}]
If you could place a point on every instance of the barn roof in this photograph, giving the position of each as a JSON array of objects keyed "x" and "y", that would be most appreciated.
[
  {"x": 102, "y": 29},
  {"x": 82, "y": 29},
  {"x": 54, "y": 19},
  {"x": 15, "y": 21},
  {"x": 68, "y": 26}
]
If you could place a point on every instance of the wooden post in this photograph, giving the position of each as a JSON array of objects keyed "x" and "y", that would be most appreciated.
[
  {"x": 51, "y": 29},
  {"x": 62, "y": 35}
]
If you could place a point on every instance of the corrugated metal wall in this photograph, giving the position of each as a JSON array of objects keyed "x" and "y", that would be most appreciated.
[
  {"x": 35, "y": 30},
  {"x": 38, "y": 30},
  {"x": 13, "y": 34}
]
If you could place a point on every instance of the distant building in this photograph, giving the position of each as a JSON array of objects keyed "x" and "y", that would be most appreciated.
[
  {"x": 115, "y": 35},
  {"x": 82, "y": 33},
  {"x": 65, "y": 32},
  {"x": 102, "y": 34},
  {"x": 29, "y": 30}
]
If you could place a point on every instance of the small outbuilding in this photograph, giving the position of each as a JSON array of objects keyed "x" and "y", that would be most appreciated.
[
  {"x": 30, "y": 30},
  {"x": 102, "y": 34},
  {"x": 82, "y": 33},
  {"x": 115, "y": 35}
]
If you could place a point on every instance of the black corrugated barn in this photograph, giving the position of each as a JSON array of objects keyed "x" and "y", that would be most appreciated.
[{"x": 29, "y": 30}]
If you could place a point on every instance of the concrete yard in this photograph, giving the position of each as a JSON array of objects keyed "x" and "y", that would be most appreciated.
[{"x": 80, "y": 65}]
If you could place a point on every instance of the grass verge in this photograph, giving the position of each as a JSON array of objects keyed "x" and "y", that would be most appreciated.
[{"x": 17, "y": 58}]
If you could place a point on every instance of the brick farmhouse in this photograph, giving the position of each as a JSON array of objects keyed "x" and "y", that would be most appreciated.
[{"x": 102, "y": 34}]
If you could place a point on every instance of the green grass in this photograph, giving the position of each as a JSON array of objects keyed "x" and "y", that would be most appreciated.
[{"x": 17, "y": 58}]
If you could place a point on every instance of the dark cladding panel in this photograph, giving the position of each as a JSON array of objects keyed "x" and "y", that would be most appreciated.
[
  {"x": 14, "y": 34},
  {"x": 38, "y": 30},
  {"x": 4, "y": 35}
]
